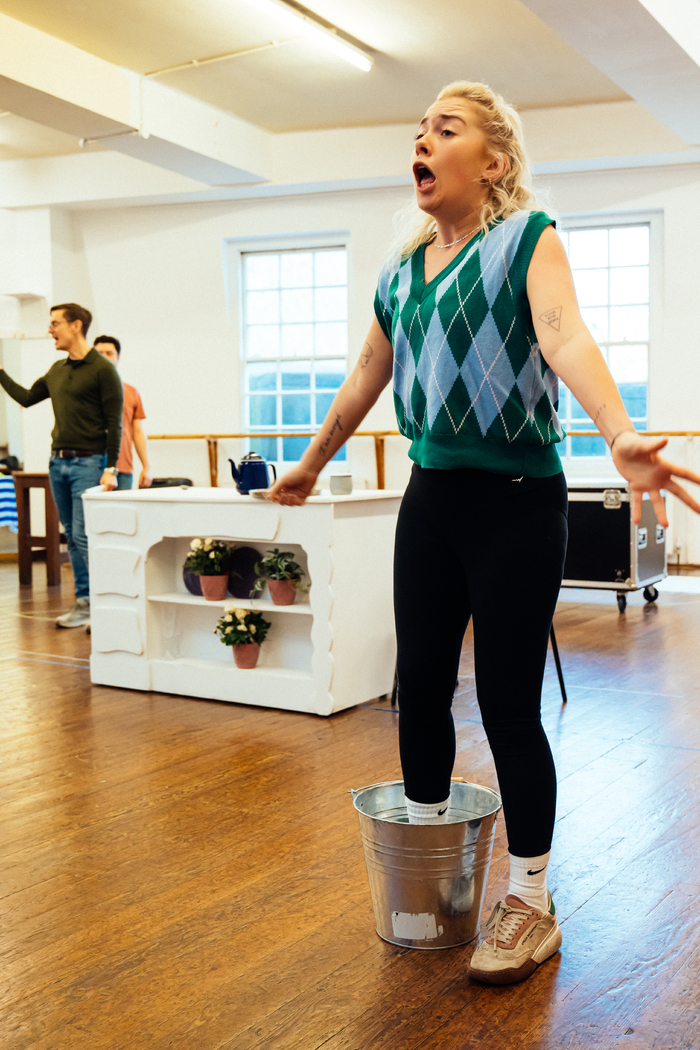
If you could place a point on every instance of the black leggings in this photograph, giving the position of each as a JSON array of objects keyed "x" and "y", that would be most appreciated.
[{"x": 473, "y": 543}]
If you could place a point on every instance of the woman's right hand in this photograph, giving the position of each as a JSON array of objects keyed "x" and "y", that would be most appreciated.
[{"x": 293, "y": 488}]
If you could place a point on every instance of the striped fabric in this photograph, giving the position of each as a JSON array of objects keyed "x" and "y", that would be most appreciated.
[{"x": 8, "y": 504}]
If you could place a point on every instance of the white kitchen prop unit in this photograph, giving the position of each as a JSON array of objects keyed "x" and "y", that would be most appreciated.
[{"x": 334, "y": 648}]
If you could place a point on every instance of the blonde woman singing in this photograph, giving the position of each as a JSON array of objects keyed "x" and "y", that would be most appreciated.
[{"x": 475, "y": 320}]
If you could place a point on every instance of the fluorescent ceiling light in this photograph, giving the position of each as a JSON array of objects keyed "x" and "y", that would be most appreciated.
[{"x": 327, "y": 38}]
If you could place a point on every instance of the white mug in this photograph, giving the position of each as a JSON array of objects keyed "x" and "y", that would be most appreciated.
[{"x": 341, "y": 484}]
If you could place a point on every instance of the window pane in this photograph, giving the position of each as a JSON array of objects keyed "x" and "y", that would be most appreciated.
[
  {"x": 323, "y": 404},
  {"x": 629, "y": 246},
  {"x": 578, "y": 411},
  {"x": 297, "y": 305},
  {"x": 588, "y": 248},
  {"x": 629, "y": 285},
  {"x": 296, "y": 410},
  {"x": 296, "y": 375},
  {"x": 329, "y": 374},
  {"x": 629, "y": 323},
  {"x": 331, "y": 304},
  {"x": 629, "y": 364},
  {"x": 263, "y": 340},
  {"x": 297, "y": 340},
  {"x": 262, "y": 271},
  {"x": 331, "y": 267},
  {"x": 294, "y": 448},
  {"x": 596, "y": 318},
  {"x": 265, "y": 447},
  {"x": 594, "y": 446},
  {"x": 332, "y": 338},
  {"x": 591, "y": 287},
  {"x": 262, "y": 307},
  {"x": 634, "y": 396},
  {"x": 262, "y": 377},
  {"x": 297, "y": 270},
  {"x": 262, "y": 410}
]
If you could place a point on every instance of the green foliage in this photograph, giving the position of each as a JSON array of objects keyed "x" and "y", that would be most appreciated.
[
  {"x": 209, "y": 557},
  {"x": 277, "y": 565},
  {"x": 242, "y": 626}
]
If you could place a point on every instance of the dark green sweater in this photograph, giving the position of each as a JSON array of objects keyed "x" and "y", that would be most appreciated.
[{"x": 87, "y": 400}]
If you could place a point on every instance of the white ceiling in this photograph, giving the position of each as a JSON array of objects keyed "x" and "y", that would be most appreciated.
[{"x": 417, "y": 48}]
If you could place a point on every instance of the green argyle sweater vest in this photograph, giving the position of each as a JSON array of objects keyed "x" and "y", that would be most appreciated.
[{"x": 471, "y": 388}]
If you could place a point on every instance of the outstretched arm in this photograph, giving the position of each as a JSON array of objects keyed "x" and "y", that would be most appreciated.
[
  {"x": 569, "y": 349},
  {"x": 351, "y": 404},
  {"x": 38, "y": 391}
]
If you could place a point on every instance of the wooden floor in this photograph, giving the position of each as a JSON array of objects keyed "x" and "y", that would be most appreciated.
[{"x": 188, "y": 874}]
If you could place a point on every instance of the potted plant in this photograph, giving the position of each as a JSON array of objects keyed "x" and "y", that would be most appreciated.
[
  {"x": 282, "y": 573},
  {"x": 245, "y": 631},
  {"x": 210, "y": 560}
]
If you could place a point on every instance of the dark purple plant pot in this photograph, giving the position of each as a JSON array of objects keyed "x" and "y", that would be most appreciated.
[
  {"x": 243, "y": 562},
  {"x": 191, "y": 582}
]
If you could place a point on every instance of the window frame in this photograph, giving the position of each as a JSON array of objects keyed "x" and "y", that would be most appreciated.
[
  {"x": 235, "y": 248},
  {"x": 602, "y": 466}
]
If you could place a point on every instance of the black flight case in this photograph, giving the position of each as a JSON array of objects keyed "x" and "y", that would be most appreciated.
[{"x": 606, "y": 549}]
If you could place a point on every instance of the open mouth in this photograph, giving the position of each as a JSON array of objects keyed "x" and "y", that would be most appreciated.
[{"x": 423, "y": 176}]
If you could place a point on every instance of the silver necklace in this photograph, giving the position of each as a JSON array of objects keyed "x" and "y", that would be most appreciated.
[{"x": 459, "y": 239}]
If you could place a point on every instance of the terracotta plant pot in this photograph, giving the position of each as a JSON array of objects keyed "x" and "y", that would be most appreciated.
[
  {"x": 214, "y": 587},
  {"x": 246, "y": 655},
  {"x": 282, "y": 592}
]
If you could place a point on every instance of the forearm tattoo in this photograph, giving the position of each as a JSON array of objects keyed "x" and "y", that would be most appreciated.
[
  {"x": 336, "y": 426},
  {"x": 598, "y": 411},
  {"x": 365, "y": 354},
  {"x": 552, "y": 317}
]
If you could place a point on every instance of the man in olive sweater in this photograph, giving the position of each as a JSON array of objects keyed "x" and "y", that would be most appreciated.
[{"x": 86, "y": 396}]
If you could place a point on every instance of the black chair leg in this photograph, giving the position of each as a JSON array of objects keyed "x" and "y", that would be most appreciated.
[{"x": 557, "y": 661}]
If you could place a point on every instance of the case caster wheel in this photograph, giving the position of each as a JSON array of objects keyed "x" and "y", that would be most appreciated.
[
  {"x": 621, "y": 601},
  {"x": 650, "y": 593}
]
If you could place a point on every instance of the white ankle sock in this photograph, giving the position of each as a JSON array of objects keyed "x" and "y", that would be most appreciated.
[
  {"x": 528, "y": 880},
  {"x": 427, "y": 812}
]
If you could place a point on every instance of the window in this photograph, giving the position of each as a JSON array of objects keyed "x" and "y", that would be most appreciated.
[
  {"x": 294, "y": 313},
  {"x": 610, "y": 265}
]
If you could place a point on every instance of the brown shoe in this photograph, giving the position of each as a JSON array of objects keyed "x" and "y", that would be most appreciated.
[{"x": 522, "y": 938}]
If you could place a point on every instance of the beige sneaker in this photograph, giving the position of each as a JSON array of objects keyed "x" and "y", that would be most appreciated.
[
  {"x": 79, "y": 615},
  {"x": 522, "y": 938}
]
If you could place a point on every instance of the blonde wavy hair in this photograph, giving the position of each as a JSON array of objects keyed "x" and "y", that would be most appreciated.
[{"x": 507, "y": 194}]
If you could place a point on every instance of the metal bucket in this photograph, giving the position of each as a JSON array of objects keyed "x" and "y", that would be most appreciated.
[{"x": 427, "y": 881}]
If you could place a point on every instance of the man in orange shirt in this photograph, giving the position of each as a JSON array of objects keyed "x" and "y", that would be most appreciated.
[{"x": 132, "y": 431}]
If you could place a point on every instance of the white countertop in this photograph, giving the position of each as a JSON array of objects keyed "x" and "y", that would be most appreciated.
[{"x": 227, "y": 494}]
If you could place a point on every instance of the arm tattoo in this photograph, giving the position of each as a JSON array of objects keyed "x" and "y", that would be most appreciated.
[
  {"x": 366, "y": 353},
  {"x": 552, "y": 317},
  {"x": 598, "y": 411},
  {"x": 327, "y": 441}
]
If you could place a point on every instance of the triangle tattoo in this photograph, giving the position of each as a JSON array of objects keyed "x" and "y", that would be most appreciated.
[{"x": 552, "y": 317}]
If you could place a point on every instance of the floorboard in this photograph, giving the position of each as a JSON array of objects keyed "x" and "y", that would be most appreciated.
[{"x": 188, "y": 875}]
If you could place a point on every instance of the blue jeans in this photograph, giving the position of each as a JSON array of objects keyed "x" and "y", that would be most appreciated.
[
  {"x": 69, "y": 478},
  {"x": 124, "y": 481}
]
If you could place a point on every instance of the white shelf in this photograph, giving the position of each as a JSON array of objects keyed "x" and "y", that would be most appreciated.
[{"x": 258, "y": 604}]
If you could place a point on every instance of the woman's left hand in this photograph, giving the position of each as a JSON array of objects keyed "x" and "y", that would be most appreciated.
[{"x": 637, "y": 459}]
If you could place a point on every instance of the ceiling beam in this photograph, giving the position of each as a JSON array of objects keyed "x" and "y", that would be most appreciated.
[
  {"x": 627, "y": 43},
  {"x": 60, "y": 86}
]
